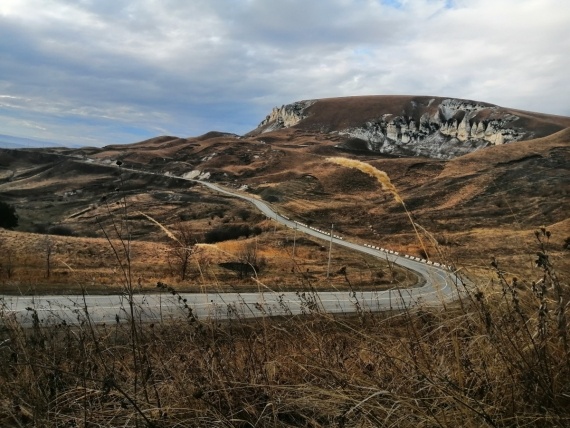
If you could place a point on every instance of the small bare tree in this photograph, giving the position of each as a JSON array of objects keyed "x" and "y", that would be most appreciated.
[
  {"x": 181, "y": 249},
  {"x": 49, "y": 248},
  {"x": 252, "y": 262},
  {"x": 7, "y": 261}
]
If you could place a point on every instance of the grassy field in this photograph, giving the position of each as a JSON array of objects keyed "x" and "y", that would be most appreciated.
[
  {"x": 499, "y": 357},
  {"x": 78, "y": 264}
]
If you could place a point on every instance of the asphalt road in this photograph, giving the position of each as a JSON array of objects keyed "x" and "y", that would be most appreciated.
[{"x": 439, "y": 285}]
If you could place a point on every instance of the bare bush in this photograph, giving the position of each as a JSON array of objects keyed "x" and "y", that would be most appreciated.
[
  {"x": 228, "y": 232},
  {"x": 182, "y": 249},
  {"x": 249, "y": 262},
  {"x": 61, "y": 230}
]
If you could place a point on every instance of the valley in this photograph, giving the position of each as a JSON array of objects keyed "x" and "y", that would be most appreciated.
[
  {"x": 468, "y": 208},
  {"x": 137, "y": 292}
]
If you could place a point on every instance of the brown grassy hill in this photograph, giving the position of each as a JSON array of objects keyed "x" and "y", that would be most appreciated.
[
  {"x": 336, "y": 114},
  {"x": 497, "y": 358},
  {"x": 466, "y": 210},
  {"x": 412, "y": 126},
  {"x": 467, "y": 207}
]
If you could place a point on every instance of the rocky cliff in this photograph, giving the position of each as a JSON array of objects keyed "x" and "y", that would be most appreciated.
[
  {"x": 434, "y": 127},
  {"x": 457, "y": 127},
  {"x": 285, "y": 116}
]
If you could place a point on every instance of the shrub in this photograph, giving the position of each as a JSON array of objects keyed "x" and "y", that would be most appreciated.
[
  {"x": 242, "y": 269},
  {"x": 244, "y": 214},
  {"x": 61, "y": 230},
  {"x": 8, "y": 216},
  {"x": 40, "y": 228},
  {"x": 228, "y": 232},
  {"x": 270, "y": 198}
]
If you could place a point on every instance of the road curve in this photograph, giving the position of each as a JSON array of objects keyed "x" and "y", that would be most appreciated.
[{"x": 439, "y": 285}]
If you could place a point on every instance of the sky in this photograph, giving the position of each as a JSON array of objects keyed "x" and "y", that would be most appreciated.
[{"x": 98, "y": 72}]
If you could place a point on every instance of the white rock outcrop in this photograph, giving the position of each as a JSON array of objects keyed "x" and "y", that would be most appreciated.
[
  {"x": 456, "y": 128},
  {"x": 436, "y": 128},
  {"x": 285, "y": 116}
]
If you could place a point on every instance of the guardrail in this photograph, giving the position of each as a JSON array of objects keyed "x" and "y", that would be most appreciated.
[
  {"x": 373, "y": 247},
  {"x": 407, "y": 256}
]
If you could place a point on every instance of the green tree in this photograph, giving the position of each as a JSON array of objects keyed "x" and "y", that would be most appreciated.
[{"x": 8, "y": 217}]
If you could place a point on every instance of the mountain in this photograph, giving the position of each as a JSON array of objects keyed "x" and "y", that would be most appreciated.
[
  {"x": 11, "y": 142},
  {"x": 435, "y": 127},
  {"x": 476, "y": 179}
]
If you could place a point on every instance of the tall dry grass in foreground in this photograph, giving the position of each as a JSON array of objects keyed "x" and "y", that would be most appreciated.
[
  {"x": 499, "y": 357},
  {"x": 366, "y": 168}
]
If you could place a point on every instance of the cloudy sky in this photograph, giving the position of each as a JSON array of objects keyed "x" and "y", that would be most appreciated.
[{"x": 96, "y": 72}]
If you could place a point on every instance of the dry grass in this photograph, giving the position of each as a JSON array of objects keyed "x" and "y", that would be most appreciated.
[
  {"x": 498, "y": 358},
  {"x": 90, "y": 264},
  {"x": 381, "y": 176}
]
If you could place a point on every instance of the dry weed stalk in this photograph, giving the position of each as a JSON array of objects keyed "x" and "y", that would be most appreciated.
[
  {"x": 386, "y": 184},
  {"x": 381, "y": 176}
]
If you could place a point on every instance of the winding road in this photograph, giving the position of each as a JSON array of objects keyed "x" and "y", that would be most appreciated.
[{"x": 440, "y": 285}]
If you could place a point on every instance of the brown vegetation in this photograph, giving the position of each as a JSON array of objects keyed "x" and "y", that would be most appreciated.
[
  {"x": 90, "y": 264},
  {"x": 499, "y": 357}
]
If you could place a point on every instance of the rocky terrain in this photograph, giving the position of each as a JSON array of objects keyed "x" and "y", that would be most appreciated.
[
  {"x": 477, "y": 179},
  {"x": 441, "y": 128},
  {"x": 481, "y": 188}
]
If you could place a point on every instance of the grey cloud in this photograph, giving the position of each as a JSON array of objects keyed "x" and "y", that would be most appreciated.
[
  {"x": 300, "y": 23},
  {"x": 130, "y": 68}
]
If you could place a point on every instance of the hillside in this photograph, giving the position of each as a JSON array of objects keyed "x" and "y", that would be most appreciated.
[
  {"x": 98, "y": 220},
  {"x": 483, "y": 202},
  {"x": 434, "y": 127}
]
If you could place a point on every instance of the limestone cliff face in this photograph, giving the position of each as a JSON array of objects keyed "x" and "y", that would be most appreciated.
[
  {"x": 455, "y": 128},
  {"x": 285, "y": 116},
  {"x": 409, "y": 126}
]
